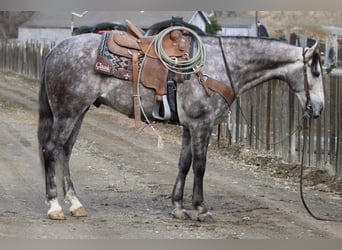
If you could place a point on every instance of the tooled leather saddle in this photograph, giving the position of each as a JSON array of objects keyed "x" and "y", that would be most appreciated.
[{"x": 121, "y": 54}]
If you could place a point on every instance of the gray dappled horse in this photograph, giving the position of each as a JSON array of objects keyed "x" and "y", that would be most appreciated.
[{"x": 69, "y": 86}]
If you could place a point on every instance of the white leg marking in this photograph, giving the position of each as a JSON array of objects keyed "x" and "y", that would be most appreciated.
[
  {"x": 75, "y": 203},
  {"x": 54, "y": 206}
]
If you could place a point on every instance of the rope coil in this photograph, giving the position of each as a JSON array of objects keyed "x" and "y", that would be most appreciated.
[{"x": 186, "y": 66}]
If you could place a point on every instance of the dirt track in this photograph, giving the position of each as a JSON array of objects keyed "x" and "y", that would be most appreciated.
[{"x": 125, "y": 183}]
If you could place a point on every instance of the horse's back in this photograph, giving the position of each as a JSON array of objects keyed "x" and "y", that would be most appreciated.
[
  {"x": 77, "y": 48},
  {"x": 73, "y": 57}
]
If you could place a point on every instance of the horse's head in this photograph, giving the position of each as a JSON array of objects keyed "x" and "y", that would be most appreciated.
[{"x": 308, "y": 82}]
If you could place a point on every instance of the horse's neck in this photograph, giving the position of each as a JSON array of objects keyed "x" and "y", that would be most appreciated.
[
  {"x": 263, "y": 61},
  {"x": 252, "y": 61}
]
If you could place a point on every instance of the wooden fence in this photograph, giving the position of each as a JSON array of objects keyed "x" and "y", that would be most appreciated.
[
  {"x": 269, "y": 117},
  {"x": 23, "y": 58}
]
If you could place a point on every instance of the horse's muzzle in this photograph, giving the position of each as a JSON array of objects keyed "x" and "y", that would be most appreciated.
[{"x": 316, "y": 110}]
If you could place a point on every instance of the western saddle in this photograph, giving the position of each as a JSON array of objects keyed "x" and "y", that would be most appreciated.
[
  {"x": 133, "y": 48},
  {"x": 132, "y": 56}
]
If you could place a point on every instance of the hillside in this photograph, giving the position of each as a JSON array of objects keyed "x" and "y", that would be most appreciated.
[{"x": 281, "y": 23}]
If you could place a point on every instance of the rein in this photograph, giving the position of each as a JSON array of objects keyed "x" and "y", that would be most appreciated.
[
  {"x": 238, "y": 99},
  {"x": 226, "y": 66}
]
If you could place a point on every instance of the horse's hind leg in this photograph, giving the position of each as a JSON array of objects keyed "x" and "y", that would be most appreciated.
[
  {"x": 76, "y": 208},
  {"x": 51, "y": 152},
  {"x": 56, "y": 150}
]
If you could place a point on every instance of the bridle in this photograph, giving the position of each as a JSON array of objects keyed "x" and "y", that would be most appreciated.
[
  {"x": 306, "y": 124},
  {"x": 308, "y": 108}
]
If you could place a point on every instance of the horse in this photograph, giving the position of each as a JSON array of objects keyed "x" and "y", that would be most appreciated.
[{"x": 69, "y": 86}]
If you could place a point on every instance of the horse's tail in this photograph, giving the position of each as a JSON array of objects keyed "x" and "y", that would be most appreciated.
[{"x": 45, "y": 115}]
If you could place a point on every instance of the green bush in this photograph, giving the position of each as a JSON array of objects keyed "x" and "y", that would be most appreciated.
[{"x": 213, "y": 27}]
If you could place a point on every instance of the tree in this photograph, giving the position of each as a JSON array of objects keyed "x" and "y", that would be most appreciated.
[
  {"x": 213, "y": 27},
  {"x": 11, "y": 20}
]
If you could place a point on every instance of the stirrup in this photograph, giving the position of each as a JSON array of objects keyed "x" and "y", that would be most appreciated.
[{"x": 166, "y": 109}]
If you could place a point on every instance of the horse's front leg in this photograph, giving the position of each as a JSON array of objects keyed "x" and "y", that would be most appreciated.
[
  {"x": 184, "y": 164},
  {"x": 194, "y": 150},
  {"x": 199, "y": 143}
]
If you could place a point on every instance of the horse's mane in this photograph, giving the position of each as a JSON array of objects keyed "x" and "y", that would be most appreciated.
[{"x": 247, "y": 37}]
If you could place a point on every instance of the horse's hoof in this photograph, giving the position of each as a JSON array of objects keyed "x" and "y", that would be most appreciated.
[
  {"x": 181, "y": 214},
  {"x": 206, "y": 217},
  {"x": 79, "y": 212},
  {"x": 56, "y": 215}
]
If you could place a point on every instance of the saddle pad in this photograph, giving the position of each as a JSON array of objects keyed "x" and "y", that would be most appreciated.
[
  {"x": 111, "y": 64},
  {"x": 153, "y": 75}
]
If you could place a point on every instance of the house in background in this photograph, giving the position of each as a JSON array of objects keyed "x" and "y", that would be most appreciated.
[
  {"x": 330, "y": 46},
  {"x": 237, "y": 26},
  {"x": 55, "y": 26},
  {"x": 333, "y": 49}
]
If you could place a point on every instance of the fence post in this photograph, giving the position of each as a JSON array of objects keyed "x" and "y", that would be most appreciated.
[
  {"x": 268, "y": 116},
  {"x": 339, "y": 131},
  {"x": 237, "y": 120},
  {"x": 332, "y": 135},
  {"x": 292, "y": 137}
]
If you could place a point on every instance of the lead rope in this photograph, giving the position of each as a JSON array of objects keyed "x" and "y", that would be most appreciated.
[{"x": 306, "y": 126}]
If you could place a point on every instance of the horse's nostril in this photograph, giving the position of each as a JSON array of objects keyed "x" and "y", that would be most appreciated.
[{"x": 317, "y": 113}]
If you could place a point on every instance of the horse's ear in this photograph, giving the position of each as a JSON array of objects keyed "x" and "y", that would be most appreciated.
[{"x": 310, "y": 52}]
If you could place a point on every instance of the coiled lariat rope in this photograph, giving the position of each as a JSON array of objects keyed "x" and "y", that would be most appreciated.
[{"x": 185, "y": 66}]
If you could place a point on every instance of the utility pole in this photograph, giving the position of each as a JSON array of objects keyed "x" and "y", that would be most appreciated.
[
  {"x": 78, "y": 15},
  {"x": 256, "y": 23}
]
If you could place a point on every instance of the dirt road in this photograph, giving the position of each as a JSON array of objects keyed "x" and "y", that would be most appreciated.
[{"x": 125, "y": 183}]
